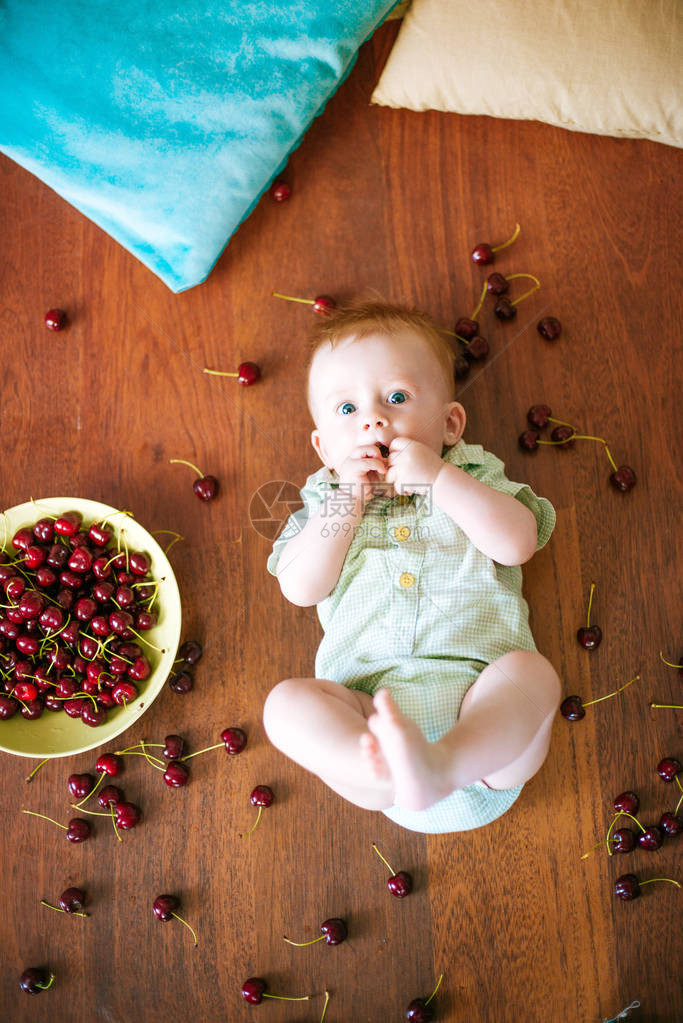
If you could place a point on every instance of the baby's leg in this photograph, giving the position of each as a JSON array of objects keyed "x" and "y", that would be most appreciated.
[
  {"x": 501, "y": 735},
  {"x": 319, "y": 724}
]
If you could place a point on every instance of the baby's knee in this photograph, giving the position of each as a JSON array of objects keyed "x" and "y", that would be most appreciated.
[
  {"x": 541, "y": 681},
  {"x": 279, "y": 706}
]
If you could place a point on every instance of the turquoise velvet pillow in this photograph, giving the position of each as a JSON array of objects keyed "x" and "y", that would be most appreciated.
[{"x": 164, "y": 122}]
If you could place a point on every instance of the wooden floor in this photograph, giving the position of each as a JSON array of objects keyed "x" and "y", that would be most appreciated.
[{"x": 523, "y": 929}]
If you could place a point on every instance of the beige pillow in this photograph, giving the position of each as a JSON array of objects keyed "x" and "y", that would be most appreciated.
[{"x": 611, "y": 67}]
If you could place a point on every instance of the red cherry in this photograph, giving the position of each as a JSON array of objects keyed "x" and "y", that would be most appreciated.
[
  {"x": 497, "y": 284},
  {"x": 78, "y": 830},
  {"x": 176, "y": 774},
  {"x": 477, "y": 348},
  {"x": 538, "y": 416},
  {"x": 623, "y": 478},
  {"x": 55, "y": 319},
  {"x": 668, "y": 768},
  {"x": 248, "y": 373},
  {"x": 467, "y": 328},
  {"x": 323, "y": 305},
  {"x": 206, "y": 488},
  {"x": 482, "y": 254},
  {"x": 139, "y": 563},
  {"x": 528, "y": 441},
  {"x": 262, "y": 796},
  {"x": 173, "y": 748},
  {"x": 549, "y": 328},
  {"x": 68, "y": 524},
  {"x": 22, "y": 539},
  {"x": 280, "y": 191},
  {"x": 563, "y": 434},
  {"x": 34, "y": 556},
  {"x": 253, "y": 990},
  {"x": 80, "y": 785},
  {"x": 400, "y": 884},
  {"x": 109, "y": 763},
  {"x": 110, "y": 795},
  {"x": 100, "y": 535},
  {"x": 128, "y": 815},
  {"x": 504, "y": 309},
  {"x": 628, "y": 802},
  {"x": 572, "y": 708},
  {"x": 235, "y": 740}
]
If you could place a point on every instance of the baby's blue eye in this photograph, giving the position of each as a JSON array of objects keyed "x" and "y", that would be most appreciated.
[
  {"x": 346, "y": 408},
  {"x": 397, "y": 397}
]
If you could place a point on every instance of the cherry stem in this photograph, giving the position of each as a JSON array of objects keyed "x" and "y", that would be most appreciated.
[
  {"x": 625, "y": 813},
  {"x": 58, "y": 909},
  {"x": 93, "y": 789},
  {"x": 580, "y": 436},
  {"x": 34, "y": 814},
  {"x": 526, "y": 294},
  {"x": 176, "y": 537},
  {"x": 481, "y": 300},
  {"x": 206, "y": 750},
  {"x": 497, "y": 248},
  {"x": 37, "y": 768},
  {"x": 327, "y": 998},
  {"x": 669, "y": 879},
  {"x": 601, "y": 698},
  {"x": 678, "y": 804},
  {"x": 679, "y": 783},
  {"x": 290, "y": 298},
  {"x": 453, "y": 334},
  {"x": 123, "y": 511},
  {"x": 44, "y": 987},
  {"x": 435, "y": 989},
  {"x": 191, "y": 929},
  {"x": 113, "y": 820},
  {"x": 146, "y": 641},
  {"x": 662, "y": 706},
  {"x": 592, "y": 850},
  {"x": 181, "y": 461},
  {"x": 153, "y": 761},
  {"x": 668, "y": 663},
  {"x": 301, "y": 944},
  {"x": 258, "y": 818},
  {"x": 219, "y": 373},
  {"x": 590, "y": 603},
  {"x": 387, "y": 865},
  {"x": 92, "y": 813},
  {"x": 285, "y": 998}
]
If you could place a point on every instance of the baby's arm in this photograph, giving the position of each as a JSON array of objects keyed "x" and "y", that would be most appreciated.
[
  {"x": 310, "y": 564},
  {"x": 498, "y": 525}
]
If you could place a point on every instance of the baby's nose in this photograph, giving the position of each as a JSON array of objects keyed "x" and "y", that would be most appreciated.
[{"x": 374, "y": 421}]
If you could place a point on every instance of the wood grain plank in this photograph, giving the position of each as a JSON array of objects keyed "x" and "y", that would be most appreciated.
[{"x": 392, "y": 201}]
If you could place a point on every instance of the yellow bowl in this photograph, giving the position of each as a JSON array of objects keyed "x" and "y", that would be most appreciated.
[{"x": 55, "y": 734}]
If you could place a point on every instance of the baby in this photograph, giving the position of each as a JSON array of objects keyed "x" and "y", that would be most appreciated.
[{"x": 430, "y": 701}]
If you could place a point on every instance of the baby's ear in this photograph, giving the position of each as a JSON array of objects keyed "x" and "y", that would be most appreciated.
[
  {"x": 456, "y": 418},
  {"x": 318, "y": 446}
]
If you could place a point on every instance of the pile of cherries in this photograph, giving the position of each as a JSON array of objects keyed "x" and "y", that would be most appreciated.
[
  {"x": 624, "y": 839},
  {"x": 75, "y": 605},
  {"x": 564, "y": 435}
]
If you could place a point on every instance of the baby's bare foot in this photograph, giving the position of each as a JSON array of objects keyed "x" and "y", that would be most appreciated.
[
  {"x": 373, "y": 757},
  {"x": 417, "y": 767}
]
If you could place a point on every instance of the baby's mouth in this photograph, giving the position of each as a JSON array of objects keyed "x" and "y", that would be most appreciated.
[{"x": 383, "y": 450}]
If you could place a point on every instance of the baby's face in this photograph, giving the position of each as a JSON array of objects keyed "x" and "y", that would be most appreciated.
[{"x": 371, "y": 390}]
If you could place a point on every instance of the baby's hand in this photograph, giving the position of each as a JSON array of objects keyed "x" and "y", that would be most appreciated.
[
  {"x": 411, "y": 465},
  {"x": 361, "y": 472}
]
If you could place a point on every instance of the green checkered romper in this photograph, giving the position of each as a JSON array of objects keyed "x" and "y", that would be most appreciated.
[{"x": 420, "y": 611}]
